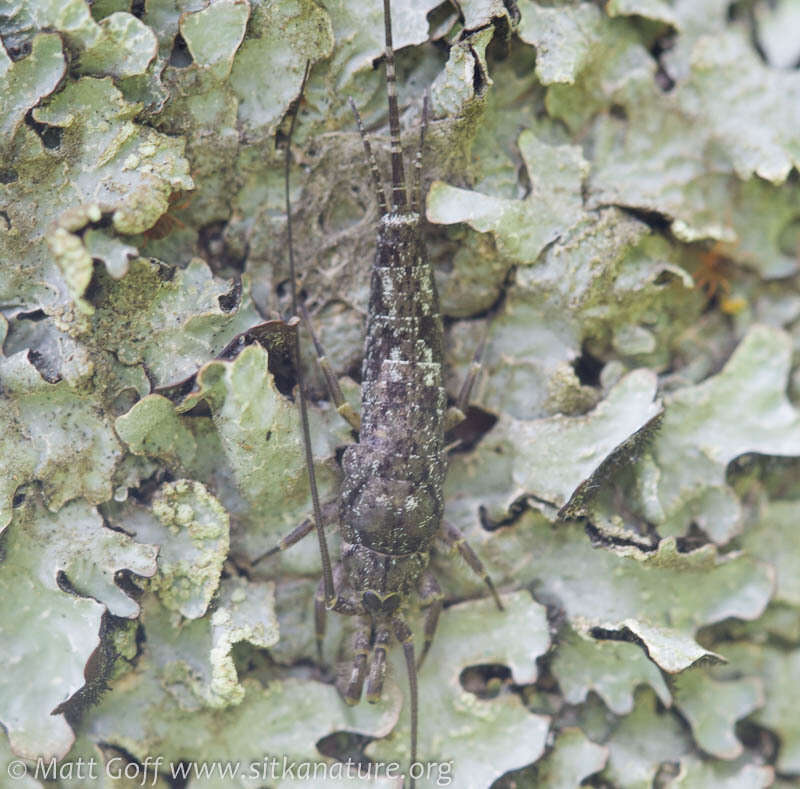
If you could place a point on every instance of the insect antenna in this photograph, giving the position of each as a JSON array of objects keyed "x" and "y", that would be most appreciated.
[
  {"x": 398, "y": 173},
  {"x": 403, "y": 635},
  {"x": 327, "y": 575},
  {"x": 373, "y": 163},
  {"x": 416, "y": 192}
]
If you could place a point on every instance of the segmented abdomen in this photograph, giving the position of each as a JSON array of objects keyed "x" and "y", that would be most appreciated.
[{"x": 394, "y": 475}]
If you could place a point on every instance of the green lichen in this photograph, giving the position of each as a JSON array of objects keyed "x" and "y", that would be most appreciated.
[
  {"x": 48, "y": 632},
  {"x": 153, "y": 428},
  {"x": 522, "y": 228},
  {"x": 767, "y": 540},
  {"x": 26, "y": 82},
  {"x": 573, "y": 758},
  {"x": 460, "y": 728},
  {"x": 712, "y": 709},
  {"x": 168, "y": 320},
  {"x": 659, "y": 598},
  {"x": 194, "y": 543},
  {"x": 741, "y": 409},
  {"x": 124, "y": 47},
  {"x": 214, "y": 34},
  {"x": 557, "y": 461},
  {"x": 611, "y": 199},
  {"x": 696, "y": 774},
  {"x": 643, "y": 741},
  {"x": 55, "y": 435},
  {"x": 774, "y": 667},
  {"x": 612, "y": 669}
]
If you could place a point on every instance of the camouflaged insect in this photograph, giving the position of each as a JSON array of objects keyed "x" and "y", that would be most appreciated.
[{"x": 392, "y": 502}]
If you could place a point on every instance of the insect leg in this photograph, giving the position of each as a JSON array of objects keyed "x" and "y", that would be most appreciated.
[
  {"x": 455, "y": 414},
  {"x": 342, "y": 406},
  {"x": 430, "y": 594},
  {"x": 454, "y": 537},
  {"x": 327, "y": 575},
  {"x": 377, "y": 669},
  {"x": 293, "y": 537},
  {"x": 361, "y": 641},
  {"x": 341, "y": 604},
  {"x": 472, "y": 375},
  {"x": 320, "y": 617},
  {"x": 304, "y": 529},
  {"x": 403, "y": 634},
  {"x": 416, "y": 194}
]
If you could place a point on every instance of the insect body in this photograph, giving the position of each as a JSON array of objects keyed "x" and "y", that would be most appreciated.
[{"x": 392, "y": 502}]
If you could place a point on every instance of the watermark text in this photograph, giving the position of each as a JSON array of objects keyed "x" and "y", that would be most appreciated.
[{"x": 151, "y": 769}]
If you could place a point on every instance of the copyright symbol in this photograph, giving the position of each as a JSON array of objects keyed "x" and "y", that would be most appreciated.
[{"x": 17, "y": 768}]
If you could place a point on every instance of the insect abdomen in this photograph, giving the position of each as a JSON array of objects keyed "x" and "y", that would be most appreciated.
[{"x": 394, "y": 476}]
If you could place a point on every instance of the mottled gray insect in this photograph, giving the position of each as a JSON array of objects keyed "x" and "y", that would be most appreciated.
[{"x": 391, "y": 504}]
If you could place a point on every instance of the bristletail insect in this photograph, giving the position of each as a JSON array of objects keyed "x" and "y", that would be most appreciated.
[{"x": 391, "y": 503}]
